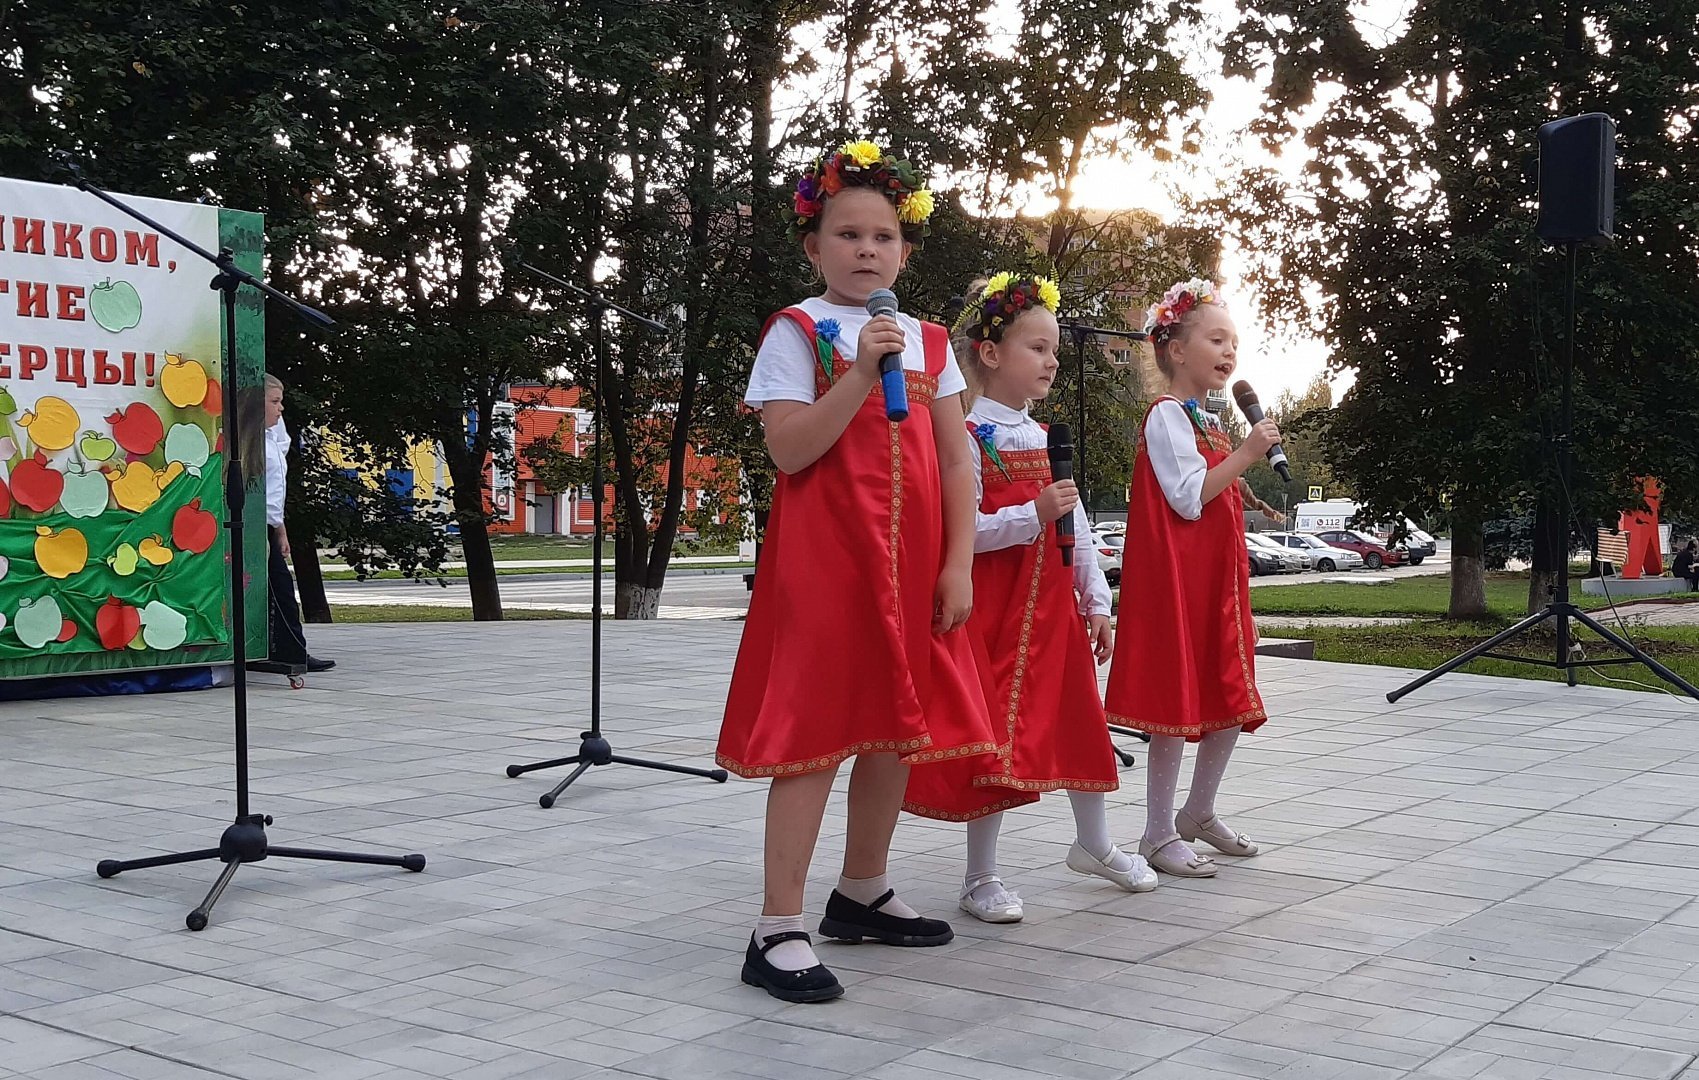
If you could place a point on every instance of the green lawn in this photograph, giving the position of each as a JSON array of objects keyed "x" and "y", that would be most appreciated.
[
  {"x": 1426, "y": 645},
  {"x": 509, "y": 571},
  {"x": 389, "y": 613},
  {"x": 1507, "y": 597},
  {"x": 561, "y": 547}
]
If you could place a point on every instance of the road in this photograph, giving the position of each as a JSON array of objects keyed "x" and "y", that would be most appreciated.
[{"x": 699, "y": 594}]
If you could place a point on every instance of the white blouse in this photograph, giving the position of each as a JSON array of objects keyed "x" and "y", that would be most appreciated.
[
  {"x": 786, "y": 361},
  {"x": 1172, "y": 443},
  {"x": 1014, "y": 526}
]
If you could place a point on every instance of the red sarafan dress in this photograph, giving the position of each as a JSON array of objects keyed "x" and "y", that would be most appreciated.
[
  {"x": 1045, "y": 708},
  {"x": 838, "y": 655},
  {"x": 1185, "y": 643}
]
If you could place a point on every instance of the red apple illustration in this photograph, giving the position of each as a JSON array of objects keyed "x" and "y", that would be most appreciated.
[
  {"x": 5, "y": 500},
  {"x": 118, "y": 623},
  {"x": 193, "y": 529},
  {"x": 35, "y": 485},
  {"x": 213, "y": 403},
  {"x": 67, "y": 631},
  {"x": 138, "y": 429}
]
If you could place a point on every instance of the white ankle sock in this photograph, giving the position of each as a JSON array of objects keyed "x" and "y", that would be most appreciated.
[
  {"x": 868, "y": 889},
  {"x": 787, "y": 955},
  {"x": 1091, "y": 827},
  {"x": 1214, "y": 751},
  {"x": 1162, "y": 776}
]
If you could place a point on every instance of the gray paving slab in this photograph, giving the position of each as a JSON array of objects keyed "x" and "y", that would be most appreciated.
[{"x": 1491, "y": 879}]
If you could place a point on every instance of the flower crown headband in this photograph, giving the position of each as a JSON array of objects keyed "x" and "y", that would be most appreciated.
[
  {"x": 1164, "y": 317},
  {"x": 985, "y": 317},
  {"x": 862, "y": 164}
]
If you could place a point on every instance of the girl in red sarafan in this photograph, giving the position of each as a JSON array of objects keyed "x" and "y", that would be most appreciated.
[
  {"x": 1185, "y": 660},
  {"x": 1044, "y": 626},
  {"x": 853, "y": 646}
]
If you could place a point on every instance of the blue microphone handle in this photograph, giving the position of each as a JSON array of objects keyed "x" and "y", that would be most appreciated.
[{"x": 892, "y": 381}]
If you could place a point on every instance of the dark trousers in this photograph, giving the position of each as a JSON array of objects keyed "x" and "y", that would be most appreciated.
[{"x": 288, "y": 640}]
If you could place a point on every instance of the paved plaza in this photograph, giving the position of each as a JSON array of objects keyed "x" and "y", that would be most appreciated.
[{"x": 1492, "y": 880}]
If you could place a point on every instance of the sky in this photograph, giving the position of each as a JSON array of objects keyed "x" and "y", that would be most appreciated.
[{"x": 1274, "y": 359}]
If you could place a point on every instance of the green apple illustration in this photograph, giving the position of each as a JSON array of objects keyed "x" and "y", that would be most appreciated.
[
  {"x": 187, "y": 443},
  {"x": 124, "y": 561},
  {"x": 97, "y": 447},
  {"x": 85, "y": 492},
  {"x": 115, "y": 305},
  {"x": 163, "y": 627},
  {"x": 38, "y": 621}
]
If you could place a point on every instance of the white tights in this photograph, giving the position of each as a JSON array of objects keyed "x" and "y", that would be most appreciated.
[{"x": 1162, "y": 777}]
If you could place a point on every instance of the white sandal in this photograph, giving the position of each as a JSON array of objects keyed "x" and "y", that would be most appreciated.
[
  {"x": 1137, "y": 878},
  {"x": 1002, "y": 906},
  {"x": 1170, "y": 862},
  {"x": 1228, "y": 841}
]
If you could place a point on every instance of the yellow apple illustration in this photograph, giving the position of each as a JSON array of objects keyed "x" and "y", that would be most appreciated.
[
  {"x": 184, "y": 381},
  {"x": 60, "y": 554}
]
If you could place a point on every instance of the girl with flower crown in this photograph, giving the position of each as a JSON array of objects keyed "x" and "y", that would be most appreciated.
[
  {"x": 1185, "y": 658},
  {"x": 1044, "y": 626},
  {"x": 853, "y": 646}
]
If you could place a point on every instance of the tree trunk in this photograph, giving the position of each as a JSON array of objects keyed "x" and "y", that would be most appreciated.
[
  {"x": 1468, "y": 569},
  {"x": 1550, "y": 558},
  {"x": 632, "y": 601},
  {"x": 465, "y": 470},
  {"x": 309, "y": 578}
]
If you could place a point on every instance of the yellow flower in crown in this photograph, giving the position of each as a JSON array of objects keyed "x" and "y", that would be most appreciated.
[
  {"x": 997, "y": 284},
  {"x": 863, "y": 152},
  {"x": 1049, "y": 295},
  {"x": 916, "y": 208}
]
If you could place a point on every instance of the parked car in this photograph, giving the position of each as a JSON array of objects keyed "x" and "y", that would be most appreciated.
[
  {"x": 1327, "y": 559},
  {"x": 1263, "y": 561},
  {"x": 1291, "y": 561},
  {"x": 1109, "y": 548},
  {"x": 1375, "y": 554}
]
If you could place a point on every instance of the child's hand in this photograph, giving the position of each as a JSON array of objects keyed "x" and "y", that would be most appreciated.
[
  {"x": 954, "y": 600},
  {"x": 1056, "y": 500},
  {"x": 1102, "y": 634},
  {"x": 1262, "y": 437},
  {"x": 881, "y": 336}
]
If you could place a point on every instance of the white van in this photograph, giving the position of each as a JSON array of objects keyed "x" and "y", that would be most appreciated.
[{"x": 1314, "y": 517}]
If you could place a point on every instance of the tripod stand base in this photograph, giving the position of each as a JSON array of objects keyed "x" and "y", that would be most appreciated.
[
  {"x": 1560, "y": 611},
  {"x": 593, "y": 749},
  {"x": 1126, "y": 758},
  {"x": 244, "y": 841}
]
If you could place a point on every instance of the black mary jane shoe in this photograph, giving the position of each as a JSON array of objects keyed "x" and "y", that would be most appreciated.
[
  {"x": 847, "y": 920},
  {"x": 811, "y": 984}
]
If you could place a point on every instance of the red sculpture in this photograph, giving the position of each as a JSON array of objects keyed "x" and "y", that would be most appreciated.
[{"x": 1645, "y": 551}]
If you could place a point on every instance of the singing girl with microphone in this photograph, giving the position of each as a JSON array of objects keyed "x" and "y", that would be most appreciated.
[
  {"x": 1044, "y": 625},
  {"x": 1185, "y": 654},
  {"x": 854, "y": 645}
]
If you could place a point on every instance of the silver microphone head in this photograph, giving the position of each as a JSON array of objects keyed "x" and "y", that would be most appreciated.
[{"x": 881, "y": 302}]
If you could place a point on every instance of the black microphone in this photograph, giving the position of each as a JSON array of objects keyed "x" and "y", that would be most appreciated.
[
  {"x": 1248, "y": 404},
  {"x": 891, "y": 378},
  {"x": 1062, "y": 468}
]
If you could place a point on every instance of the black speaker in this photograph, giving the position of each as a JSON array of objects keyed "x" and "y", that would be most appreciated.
[{"x": 1578, "y": 180}]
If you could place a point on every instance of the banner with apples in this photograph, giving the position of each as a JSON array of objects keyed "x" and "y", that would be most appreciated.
[{"x": 113, "y": 397}]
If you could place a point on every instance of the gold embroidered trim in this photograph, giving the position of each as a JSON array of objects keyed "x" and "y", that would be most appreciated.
[
  {"x": 1023, "y": 651},
  {"x": 925, "y": 757},
  {"x": 922, "y": 388},
  {"x": 896, "y": 521},
  {"x": 1203, "y": 728},
  {"x": 972, "y": 815},
  {"x": 1023, "y": 465},
  {"x": 824, "y": 761},
  {"x": 1046, "y": 785}
]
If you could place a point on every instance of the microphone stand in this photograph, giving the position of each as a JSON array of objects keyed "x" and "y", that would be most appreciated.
[
  {"x": 1080, "y": 332},
  {"x": 593, "y": 748},
  {"x": 244, "y": 840}
]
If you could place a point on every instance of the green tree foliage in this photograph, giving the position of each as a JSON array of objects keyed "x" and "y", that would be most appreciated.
[{"x": 1413, "y": 225}]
